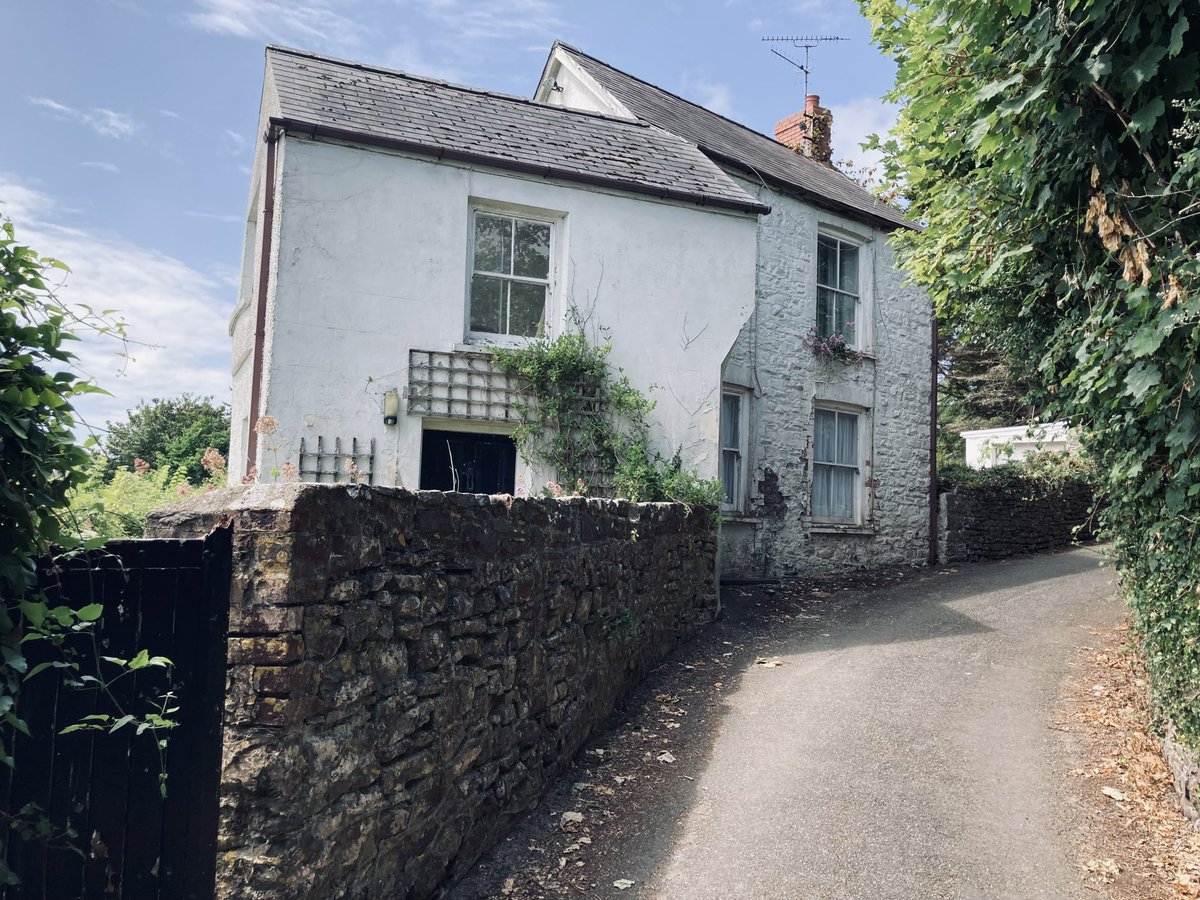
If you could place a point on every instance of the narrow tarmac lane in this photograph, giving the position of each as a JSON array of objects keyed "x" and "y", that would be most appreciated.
[{"x": 905, "y": 750}]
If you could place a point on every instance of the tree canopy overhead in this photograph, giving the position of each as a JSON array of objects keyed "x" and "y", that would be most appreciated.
[{"x": 1052, "y": 149}]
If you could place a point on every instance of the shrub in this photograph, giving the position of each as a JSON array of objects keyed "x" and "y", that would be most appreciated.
[{"x": 585, "y": 421}]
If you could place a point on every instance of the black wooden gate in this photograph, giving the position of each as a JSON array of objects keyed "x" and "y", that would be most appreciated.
[{"x": 170, "y": 597}]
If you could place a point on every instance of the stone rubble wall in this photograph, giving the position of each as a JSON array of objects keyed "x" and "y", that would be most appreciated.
[
  {"x": 997, "y": 522},
  {"x": 1185, "y": 774},
  {"x": 408, "y": 672}
]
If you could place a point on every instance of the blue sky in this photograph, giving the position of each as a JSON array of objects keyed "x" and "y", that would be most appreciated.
[{"x": 129, "y": 127}]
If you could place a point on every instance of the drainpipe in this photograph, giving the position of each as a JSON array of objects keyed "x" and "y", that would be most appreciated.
[
  {"x": 260, "y": 316},
  {"x": 933, "y": 414}
]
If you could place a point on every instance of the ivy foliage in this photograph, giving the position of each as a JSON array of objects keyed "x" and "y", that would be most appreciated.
[
  {"x": 590, "y": 425},
  {"x": 40, "y": 461},
  {"x": 1040, "y": 473},
  {"x": 1051, "y": 150},
  {"x": 41, "y": 466}
]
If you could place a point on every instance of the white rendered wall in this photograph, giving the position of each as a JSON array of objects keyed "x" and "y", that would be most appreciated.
[
  {"x": 777, "y": 536},
  {"x": 372, "y": 252},
  {"x": 987, "y": 447},
  {"x": 241, "y": 323}
]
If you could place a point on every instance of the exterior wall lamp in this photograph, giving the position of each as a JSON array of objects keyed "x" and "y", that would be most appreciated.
[{"x": 391, "y": 407}]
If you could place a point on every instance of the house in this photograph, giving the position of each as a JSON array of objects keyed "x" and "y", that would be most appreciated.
[
  {"x": 987, "y": 447},
  {"x": 399, "y": 226}
]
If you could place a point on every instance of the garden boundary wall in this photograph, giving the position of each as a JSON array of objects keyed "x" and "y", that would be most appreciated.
[
  {"x": 998, "y": 521},
  {"x": 408, "y": 671}
]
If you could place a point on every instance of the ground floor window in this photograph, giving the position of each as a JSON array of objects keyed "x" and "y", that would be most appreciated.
[
  {"x": 468, "y": 462},
  {"x": 733, "y": 448},
  {"x": 837, "y": 469}
]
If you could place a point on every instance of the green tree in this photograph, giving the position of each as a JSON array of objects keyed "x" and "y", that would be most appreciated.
[
  {"x": 977, "y": 388},
  {"x": 1051, "y": 150},
  {"x": 169, "y": 434}
]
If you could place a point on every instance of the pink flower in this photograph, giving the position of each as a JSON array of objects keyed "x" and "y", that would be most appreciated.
[
  {"x": 183, "y": 490},
  {"x": 266, "y": 425},
  {"x": 140, "y": 466},
  {"x": 212, "y": 461},
  {"x": 251, "y": 476},
  {"x": 290, "y": 471}
]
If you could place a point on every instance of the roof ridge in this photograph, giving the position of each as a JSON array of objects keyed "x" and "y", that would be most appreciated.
[
  {"x": 857, "y": 199},
  {"x": 661, "y": 90},
  {"x": 465, "y": 88}
]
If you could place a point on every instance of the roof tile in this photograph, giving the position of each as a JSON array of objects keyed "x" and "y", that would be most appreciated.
[
  {"x": 728, "y": 141},
  {"x": 432, "y": 116}
]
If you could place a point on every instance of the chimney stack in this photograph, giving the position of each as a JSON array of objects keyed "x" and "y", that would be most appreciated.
[{"x": 808, "y": 132}]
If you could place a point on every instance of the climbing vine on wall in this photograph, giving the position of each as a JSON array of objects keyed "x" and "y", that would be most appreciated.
[{"x": 590, "y": 424}]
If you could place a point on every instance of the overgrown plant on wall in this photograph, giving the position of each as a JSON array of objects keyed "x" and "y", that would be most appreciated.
[
  {"x": 1053, "y": 152},
  {"x": 589, "y": 423},
  {"x": 835, "y": 346},
  {"x": 1041, "y": 469}
]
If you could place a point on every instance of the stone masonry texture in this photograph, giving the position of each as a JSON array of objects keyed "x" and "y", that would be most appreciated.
[
  {"x": 1001, "y": 521},
  {"x": 408, "y": 672},
  {"x": 1185, "y": 774},
  {"x": 775, "y": 536}
]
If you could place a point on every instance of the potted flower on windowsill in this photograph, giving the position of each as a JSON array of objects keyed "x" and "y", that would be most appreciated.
[{"x": 834, "y": 346}]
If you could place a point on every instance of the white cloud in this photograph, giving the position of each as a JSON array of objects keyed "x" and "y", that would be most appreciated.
[
  {"x": 102, "y": 166},
  {"x": 219, "y": 217},
  {"x": 233, "y": 144},
  {"x": 177, "y": 317},
  {"x": 818, "y": 15},
  {"x": 713, "y": 95},
  {"x": 472, "y": 20},
  {"x": 105, "y": 122},
  {"x": 853, "y": 121},
  {"x": 384, "y": 31},
  {"x": 309, "y": 24},
  {"x": 407, "y": 56}
]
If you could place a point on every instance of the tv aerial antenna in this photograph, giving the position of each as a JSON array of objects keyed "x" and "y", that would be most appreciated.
[{"x": 805, "y": 41}]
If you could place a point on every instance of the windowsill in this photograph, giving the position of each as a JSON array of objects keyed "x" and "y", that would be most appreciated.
[
  {"x": 465, "y": 347},
  {"x": 738, "y": 518},
  {"x": 868, "y": 530},
  {"x": 481, "y": 344}
]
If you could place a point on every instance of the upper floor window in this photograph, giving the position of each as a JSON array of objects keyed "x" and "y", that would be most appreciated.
[
  {"x": 837, "y": 288},
  {"x": 837, "y": 470},
  {"x": 510, "y": 275}
]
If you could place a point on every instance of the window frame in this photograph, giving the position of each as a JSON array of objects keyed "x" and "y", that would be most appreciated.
[
  {"x": 516, "y": 214},
  {"x": 860, "y": 481},
  {"x": 742, "y": 449},
  {"x": 855, "y": 340}
]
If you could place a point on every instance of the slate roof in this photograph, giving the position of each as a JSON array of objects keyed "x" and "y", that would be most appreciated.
[
  {"x": 728, "y": 142},
  {"x": 325, "y": 97}
]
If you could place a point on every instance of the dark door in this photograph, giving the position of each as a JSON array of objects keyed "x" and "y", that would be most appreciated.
[{"x": 471, "y": 463}]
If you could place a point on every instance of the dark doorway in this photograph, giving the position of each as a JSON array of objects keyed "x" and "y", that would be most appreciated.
[{"x": 482, "y": 463}]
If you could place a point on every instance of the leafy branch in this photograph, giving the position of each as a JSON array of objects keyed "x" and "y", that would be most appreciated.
[{"x": 590, "y": 424}]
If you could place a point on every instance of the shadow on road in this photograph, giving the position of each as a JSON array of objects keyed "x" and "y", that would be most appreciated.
[{"x": 632, "y": 800}]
